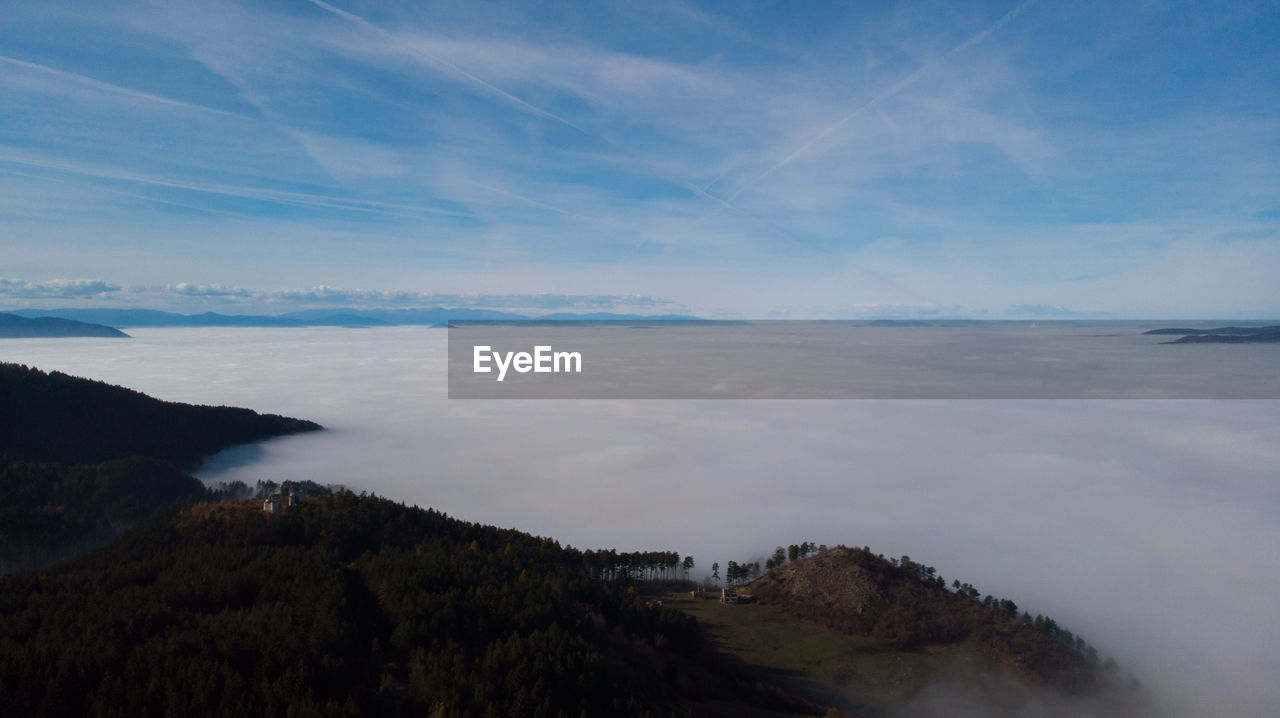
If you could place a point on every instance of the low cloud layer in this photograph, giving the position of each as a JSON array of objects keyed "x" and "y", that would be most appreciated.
[{"x": 1147, "y": 527}]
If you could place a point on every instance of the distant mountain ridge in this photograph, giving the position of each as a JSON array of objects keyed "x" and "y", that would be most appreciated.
[
  {"x": 899, "y": 323},
  {"x": 1273, "y": 337},
  {"x": 338, "y": 317},
  {"x": 1222, "y": 335},
  {"x": 1222, "y": 331},
  {"x": 14, "y": 326}
]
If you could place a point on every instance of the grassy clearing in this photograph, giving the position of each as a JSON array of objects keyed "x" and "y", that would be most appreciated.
[{"x": 852, "y": 673}]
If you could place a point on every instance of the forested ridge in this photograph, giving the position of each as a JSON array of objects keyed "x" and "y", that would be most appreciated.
[
  {"x": 349, "y": 605},
  {"x": 80, "y": 459},
  {"x": 57, "y": 418}
]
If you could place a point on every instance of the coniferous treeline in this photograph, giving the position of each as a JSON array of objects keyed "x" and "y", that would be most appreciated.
[
  {"x": 736, "y": 573},
  {"x": 612, "y": 565},
  {"x": 232, "y": 490}
]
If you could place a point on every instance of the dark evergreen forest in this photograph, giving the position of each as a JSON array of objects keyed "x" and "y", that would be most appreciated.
[{"x": 81, "y": 460}]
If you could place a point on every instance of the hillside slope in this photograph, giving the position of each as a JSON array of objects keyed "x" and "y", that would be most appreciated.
[
  {"x": 81, "y": 460},
  {"x": 906, "y": 605}
]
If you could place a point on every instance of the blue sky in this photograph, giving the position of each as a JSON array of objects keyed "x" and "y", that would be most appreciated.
[{"x": 757, "y": 159}]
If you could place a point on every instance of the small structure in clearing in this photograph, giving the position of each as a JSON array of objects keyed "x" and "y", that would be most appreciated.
[{"x": 271, "y": 504}]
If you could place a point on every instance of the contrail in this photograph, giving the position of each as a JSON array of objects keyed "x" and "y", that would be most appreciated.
[
  {"x": 720, "y": 202},
  {"x": 99, "y": 84},
  {"x": 538, "y": 203},
  {"x": 893, "y": 89},
  {"x": 441, "y": 62},
  {"x": 261, "y": 194},
  {"x": 124, "y": 193}
]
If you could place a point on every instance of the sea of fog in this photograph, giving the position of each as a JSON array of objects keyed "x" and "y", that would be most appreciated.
[{"x": 1151, "y": 528}]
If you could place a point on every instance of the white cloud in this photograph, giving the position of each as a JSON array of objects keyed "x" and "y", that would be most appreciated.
[
  {"x": 57, "y": 289},
  {"x": 345, "y": 158},
  {"x": 190, "y": 296}
]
